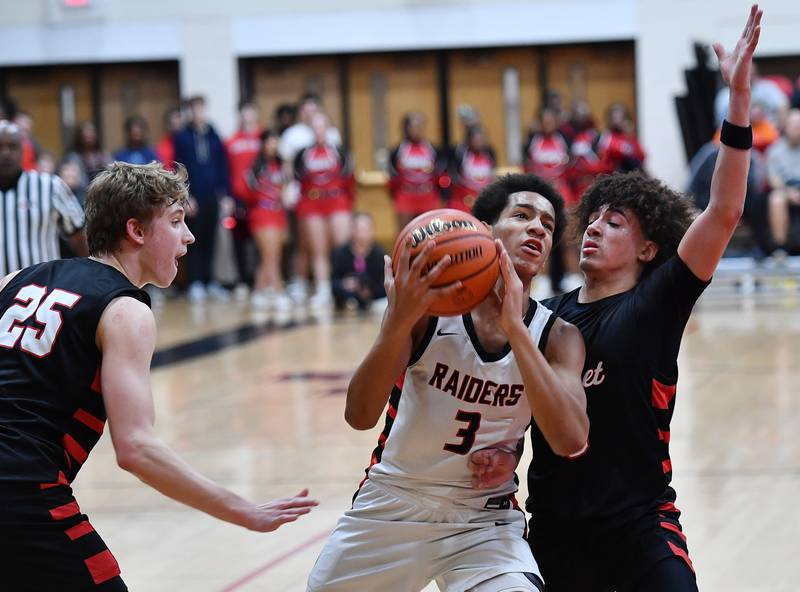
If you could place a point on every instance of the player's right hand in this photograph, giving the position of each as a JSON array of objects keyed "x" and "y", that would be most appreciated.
[
  {"x": 409, "y": 292},
  {"x": 272, "y": 515}
]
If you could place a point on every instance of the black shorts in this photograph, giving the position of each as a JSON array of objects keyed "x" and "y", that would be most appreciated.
[
  {"x": 601, "y": 556},
  {"x": 46, "y": 543}
]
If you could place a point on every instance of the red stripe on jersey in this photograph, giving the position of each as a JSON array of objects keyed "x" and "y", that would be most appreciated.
[
  {"x": 681, "y": 553},
  {"x": 102, "y": 566},
  {"x": 89, "y": 420},
  {"x": 96, "y": 386},
  {"x": 391, "y": 411},
  {"x": 65, "y": 511},
  {"x": 79, "y": 530},
  {"x": 664, "y": 436},
  {"x": 75, "y": 450},
  {"x": 400, "y": 381},
  {"x": 662, "y": 394},
  {"x": 666, "y": 466},
  {"x": 62, "y": 480},
  {"x": 674, "y": 528},
  {"x": 668, "y": 507}
]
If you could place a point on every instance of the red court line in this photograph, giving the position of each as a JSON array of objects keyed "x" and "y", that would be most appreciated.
[{"x": 280, "y": 559}]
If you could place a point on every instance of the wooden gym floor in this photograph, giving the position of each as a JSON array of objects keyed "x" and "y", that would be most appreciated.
[{"x": 258, "y": 407}]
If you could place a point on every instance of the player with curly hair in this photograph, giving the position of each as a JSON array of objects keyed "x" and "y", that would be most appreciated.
[{"x": 607, "y": 520}]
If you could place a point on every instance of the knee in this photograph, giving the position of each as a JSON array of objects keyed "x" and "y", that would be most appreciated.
[{"x": 777, "y": 198}]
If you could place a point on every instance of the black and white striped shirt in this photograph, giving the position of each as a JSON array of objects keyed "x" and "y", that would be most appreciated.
[{"x": 32, "y": 215}]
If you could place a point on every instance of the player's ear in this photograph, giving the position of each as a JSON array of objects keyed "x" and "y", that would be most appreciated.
[
  {"x": 134, "y": 231},
  {"x": 648, "y": 252}
]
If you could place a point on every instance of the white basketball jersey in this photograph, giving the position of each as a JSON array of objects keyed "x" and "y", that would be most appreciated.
[{"x": 455, "y": 398}]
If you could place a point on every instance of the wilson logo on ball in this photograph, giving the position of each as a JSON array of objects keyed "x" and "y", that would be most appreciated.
[{"x": 437, "y": 227}]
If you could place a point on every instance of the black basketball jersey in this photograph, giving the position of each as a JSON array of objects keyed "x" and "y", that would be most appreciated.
[
  {"x": 630, "y": 376},
  {"x": 51, "y": 406}
]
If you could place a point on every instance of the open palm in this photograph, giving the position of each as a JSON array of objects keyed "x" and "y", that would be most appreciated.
[{"x": 735, "y": 66}]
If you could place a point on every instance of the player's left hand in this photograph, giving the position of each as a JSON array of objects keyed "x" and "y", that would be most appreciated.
[
  {"x": 509, "y": 292},
  {"x": 491, "y": 467},
  {"x": 735, "y": 67}
]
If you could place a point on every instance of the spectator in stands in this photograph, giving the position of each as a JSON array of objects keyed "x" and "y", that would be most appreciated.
[
  {"x": 547, "y": 154},
  {"x": 165, "y": 149},
  {"x": 796, "y": 95},
  {"x": 30, "y": 147},
  {"x": 200, "y": 150},
  {"x": 87, "y": 152},
  {"x": 415, "y": 170},
  {"x": 357, "y": 267},
  {"x": 285, "y": 117},
  {"x": 46, "y": 162},
  {"x": 242, "y": 149},
  {"x": 764, "y": 91},
  {"x": 137, "y": 150},
  {"x": 586, "y": 163},
  {"x": 618, "y": 145},
  {"x": 325, "y": 173},
  {"x": 267, "y": 220},
  {"x": 701, "y": 170},
  {"x": 471, "y": 168},
  {"x": 70, "y": 172},
  {"x": 783, "y": 165},
  {"x": 295, "y": 138}
]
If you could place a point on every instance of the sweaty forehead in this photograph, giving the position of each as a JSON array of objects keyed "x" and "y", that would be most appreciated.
[{"x": 532, "y": 200}]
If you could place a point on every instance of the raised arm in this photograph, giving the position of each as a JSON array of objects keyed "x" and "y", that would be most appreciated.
[
  {"x": 553, "y": 380},
  {"x": 708, "y": 236},
  {"x": 126, "y": 336},
  {"x": 410, "y": 295}
]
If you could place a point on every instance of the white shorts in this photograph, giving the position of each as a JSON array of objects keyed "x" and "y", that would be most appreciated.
[{"x": 392, "y": 542}]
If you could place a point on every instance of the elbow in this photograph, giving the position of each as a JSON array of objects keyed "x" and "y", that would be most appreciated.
[
  {"x": 358, "y": 419},
  {"x": 729, "y": 215},
  {"x": 573, "y": 443},
  {"x": 129, "y": 458}
]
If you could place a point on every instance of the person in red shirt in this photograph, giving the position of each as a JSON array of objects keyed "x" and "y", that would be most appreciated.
[
  {"x": 325, "y": 173},
  {"x": 242, "y": 149},
  {"x": 165, "y": 149},
  {"x": 268, "y": 223},
  {"x": 547, "y": 154},
  {"x": 415, "y": 169},
  {"x": 472, "y": 168},
  {"x": 618, "y": 145}
]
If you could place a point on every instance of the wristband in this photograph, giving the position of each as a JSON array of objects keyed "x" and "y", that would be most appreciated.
[{"x": 736, "y": 136}]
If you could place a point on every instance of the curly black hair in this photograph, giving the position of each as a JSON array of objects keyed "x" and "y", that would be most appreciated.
[
  {"x": 663, "y": 214},
  {"x": 494, "y": 198}
]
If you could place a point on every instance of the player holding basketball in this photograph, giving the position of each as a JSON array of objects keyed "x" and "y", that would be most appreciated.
[
  {"x": 77, "y": 336},
  {"x": 465, "y": 382},
  {"x": 607, "y": 520}
]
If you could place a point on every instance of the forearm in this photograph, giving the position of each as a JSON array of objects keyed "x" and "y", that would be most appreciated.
[
  {"x": 374, "y": 378},
  {"x": 729, "y": 183},
  {"x": 159, "y": 467},
  {"x": 559, "y": 413}
]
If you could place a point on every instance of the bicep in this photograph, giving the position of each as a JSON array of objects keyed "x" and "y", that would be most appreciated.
[
  {"x": 566, "y": 354},
  {"x": 704, "y": 243},
  {"x": 126, "y": 336}
]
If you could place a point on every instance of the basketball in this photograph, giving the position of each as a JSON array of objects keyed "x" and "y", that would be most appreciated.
[{"x": 474, "y": 259}]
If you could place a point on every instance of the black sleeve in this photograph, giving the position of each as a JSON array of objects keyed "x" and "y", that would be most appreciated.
[
  {"x": 663, "y": 302},
  {"x": 393, "y": 162},
  {"x": 375, "y": 272}
]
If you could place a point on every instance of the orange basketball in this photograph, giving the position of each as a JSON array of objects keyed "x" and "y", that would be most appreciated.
[{"x": 473, "y": 257}]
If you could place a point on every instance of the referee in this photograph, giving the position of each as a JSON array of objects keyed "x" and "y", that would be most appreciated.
[{"x": 34, "y": 208}]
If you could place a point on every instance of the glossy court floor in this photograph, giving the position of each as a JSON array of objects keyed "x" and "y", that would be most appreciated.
[{"x": 265, "y": 418}]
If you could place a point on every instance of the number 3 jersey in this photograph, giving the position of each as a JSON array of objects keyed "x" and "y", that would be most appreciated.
[
  {"x": 51, "y": 406},
  {"x": 453, "y": 399}
]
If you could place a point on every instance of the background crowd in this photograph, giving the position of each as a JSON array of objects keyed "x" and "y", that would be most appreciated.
[{"x": 286, "y": 188}]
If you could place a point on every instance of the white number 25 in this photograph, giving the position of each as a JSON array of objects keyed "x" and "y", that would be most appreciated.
[{"x": 36, "y": 341}]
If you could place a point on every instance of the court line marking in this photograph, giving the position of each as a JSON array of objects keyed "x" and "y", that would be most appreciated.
[{"x": 278, "y": 560}]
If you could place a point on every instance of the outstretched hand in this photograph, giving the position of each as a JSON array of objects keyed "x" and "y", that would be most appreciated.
[
  {"x": 735, "y": 67},
  {"x": 272, "y": 515}
]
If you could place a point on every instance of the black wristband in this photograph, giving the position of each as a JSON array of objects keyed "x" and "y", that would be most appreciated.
[{"x": 736, "y": 136}]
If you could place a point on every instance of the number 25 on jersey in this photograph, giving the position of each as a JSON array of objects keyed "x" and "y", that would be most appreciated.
[{"x": 34, "y": 300}]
